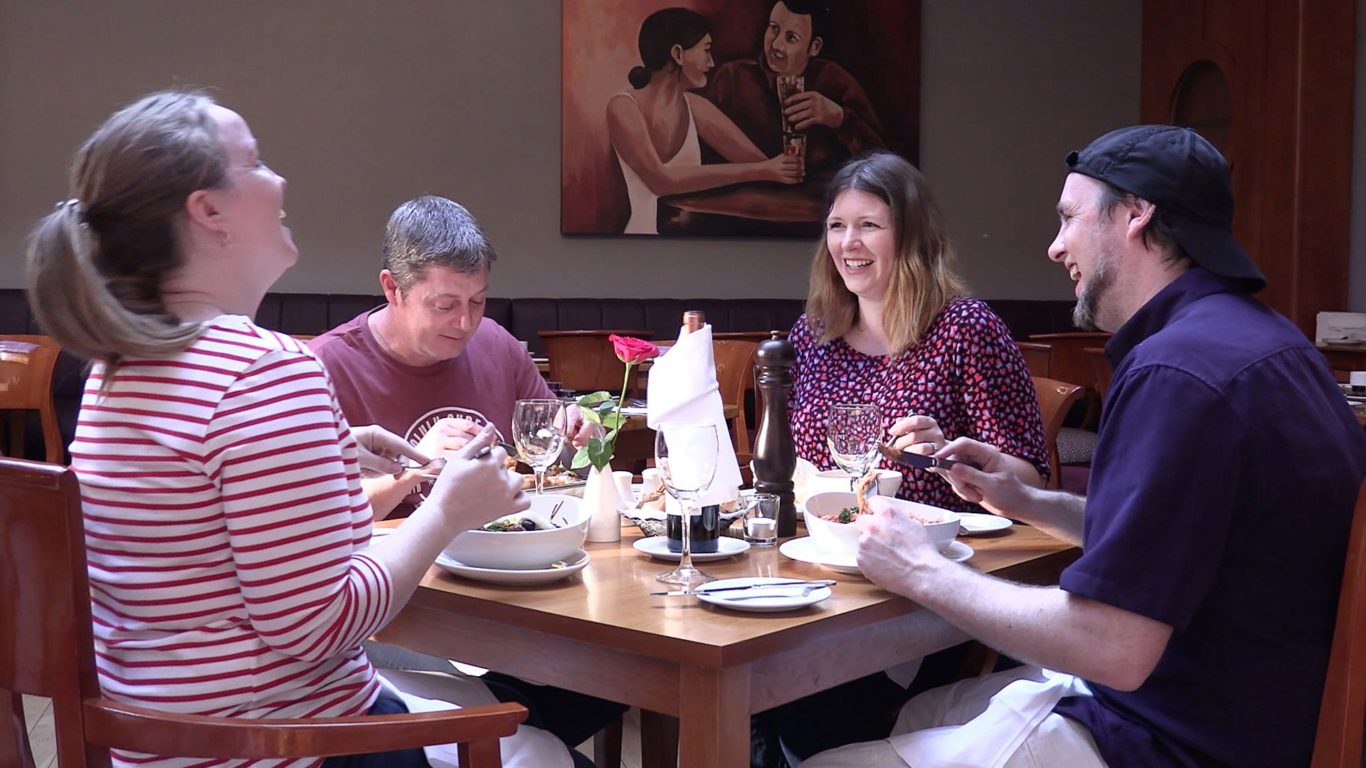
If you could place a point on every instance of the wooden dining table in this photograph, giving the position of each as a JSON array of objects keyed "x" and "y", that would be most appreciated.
[{"x": 600, "y": 632}]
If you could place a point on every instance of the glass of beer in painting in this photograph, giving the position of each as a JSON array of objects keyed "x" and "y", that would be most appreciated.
[{"x": 788, "y": 86}]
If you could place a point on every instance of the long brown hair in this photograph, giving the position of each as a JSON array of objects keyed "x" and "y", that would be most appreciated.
[
  {"x": 96, "y": 263},
  {"x": 923, "y": 277}
]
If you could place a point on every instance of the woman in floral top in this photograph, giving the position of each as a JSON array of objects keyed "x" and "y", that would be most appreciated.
[{"x": 887, "y": 323}]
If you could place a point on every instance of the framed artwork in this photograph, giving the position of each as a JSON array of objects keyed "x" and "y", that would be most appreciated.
[{"x": 673, "y": 123}]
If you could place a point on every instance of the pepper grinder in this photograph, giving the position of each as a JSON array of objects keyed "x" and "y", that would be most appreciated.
[{"x": 775, "y": 453}]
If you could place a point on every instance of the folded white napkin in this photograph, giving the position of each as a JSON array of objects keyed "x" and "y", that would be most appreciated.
[{"x": 682, "y": 387}]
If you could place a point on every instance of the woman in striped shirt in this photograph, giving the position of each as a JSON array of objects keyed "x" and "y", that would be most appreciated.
[{"x": 226, "y": 526}]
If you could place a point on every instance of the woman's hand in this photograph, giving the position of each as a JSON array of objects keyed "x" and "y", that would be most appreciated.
[
  {"x": 917, "y": 434},
  {"x": 472, "y": 489},
  {"x": 784, "y": 169},
  {"x": 381, "y": 451}
]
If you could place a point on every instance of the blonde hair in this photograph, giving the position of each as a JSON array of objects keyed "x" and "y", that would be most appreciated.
[
  {"x": 96, "y": 263},
  {"x": 923, "y": 277}
]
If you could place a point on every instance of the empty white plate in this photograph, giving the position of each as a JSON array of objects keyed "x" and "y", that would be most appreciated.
[
  {"x": 658, "y": 546},
  {"x": 805, "y": 550},
  {"x": 976, "y": 522},
  {"x": 571, "y": 566},
  {"x": 767, "y": 600}
]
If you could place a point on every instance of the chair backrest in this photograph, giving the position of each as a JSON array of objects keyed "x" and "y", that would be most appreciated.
[
  {"x": 47, "y": 649},
  {"x": 1100, "y": 368},
  {"x": 1342, "y": 713},
  {"x": 26, "y": 365},
  {"x": 1055, "y": 400},
  {"x": 734, "y": 374},
  {"x": 584, "y": 360},
  {"x": 1039, "y": 357}
]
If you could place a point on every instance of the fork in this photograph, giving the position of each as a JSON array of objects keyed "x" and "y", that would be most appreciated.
[{"x": 806, "y": 592}]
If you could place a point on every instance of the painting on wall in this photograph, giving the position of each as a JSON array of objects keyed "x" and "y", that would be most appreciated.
[{"x": 727, "y": 117}]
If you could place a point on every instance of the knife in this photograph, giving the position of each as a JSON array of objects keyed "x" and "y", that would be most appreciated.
[
  {"x": 920, "y": 460},
  {"x": 682, "y": 592}
]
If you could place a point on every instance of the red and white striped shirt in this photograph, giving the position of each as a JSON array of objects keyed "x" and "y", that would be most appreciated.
[{"x": 225, "y": 524}]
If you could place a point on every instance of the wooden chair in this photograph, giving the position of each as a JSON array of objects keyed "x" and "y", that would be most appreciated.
[
  {"x": 26, "y": 365},
  {"x": 1039, "y": 357},
  {"x": 1069, "y": 363},
  {"x": 1055, "y": 400},
  {"x": 1342, "y": 713},
  {"x": 1100, "y": 369},
  {"x": 584, "y": 360},
  {"x": 47, "y": 649},
  {"x": 734, "y": 374}
]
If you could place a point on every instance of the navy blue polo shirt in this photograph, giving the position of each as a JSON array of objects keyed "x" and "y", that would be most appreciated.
[{"x": 1220, "y": 501}]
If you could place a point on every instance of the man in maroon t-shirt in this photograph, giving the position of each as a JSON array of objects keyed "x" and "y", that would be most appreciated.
[{"x": 428, "y": 365}]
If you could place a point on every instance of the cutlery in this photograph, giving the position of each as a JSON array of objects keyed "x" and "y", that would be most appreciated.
[
  {"x": 814, "y": 584},
  {"x": 921, "y": 461},
  {"x": 430, "y": 467},
  {"x": 806, "y": 592}
]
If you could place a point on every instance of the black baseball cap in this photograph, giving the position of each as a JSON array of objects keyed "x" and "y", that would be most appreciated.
[{"x": 1175, "y": 169}]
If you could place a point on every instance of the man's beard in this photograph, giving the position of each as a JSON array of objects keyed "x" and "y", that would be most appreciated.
[{"x": 1088, "y": 303}]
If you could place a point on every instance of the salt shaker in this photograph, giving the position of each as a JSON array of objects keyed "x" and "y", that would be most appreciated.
[{"x": 775, "y": 453}]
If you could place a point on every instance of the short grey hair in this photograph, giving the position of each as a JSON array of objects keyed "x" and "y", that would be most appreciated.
[{"x": 434, "y": 231}]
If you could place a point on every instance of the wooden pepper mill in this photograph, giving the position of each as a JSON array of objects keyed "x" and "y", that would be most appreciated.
[{"x": 775, "y": 453}]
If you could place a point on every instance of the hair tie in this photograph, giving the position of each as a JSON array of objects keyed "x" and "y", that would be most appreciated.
[{"x": 70, "y": 202}]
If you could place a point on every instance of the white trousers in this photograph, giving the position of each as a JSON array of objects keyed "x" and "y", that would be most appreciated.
[
  {"x": 433, "y": 692},
  {"x": 1049, "y": 741}
]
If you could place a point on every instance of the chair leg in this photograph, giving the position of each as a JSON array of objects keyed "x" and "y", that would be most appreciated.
[
  {"x": 14, "y": 746},
  {"x": 607, "y": 745},
  {"x": 658, "y": 740},
  {"x": 480, "y": 754}
]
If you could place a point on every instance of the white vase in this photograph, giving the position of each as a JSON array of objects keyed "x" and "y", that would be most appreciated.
[{"x": 604, "y": 509}]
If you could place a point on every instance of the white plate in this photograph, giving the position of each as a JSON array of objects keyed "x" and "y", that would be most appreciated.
[
  {"x": 503, "y": 576},
  {"x": 805, "y": 550},
  {"x": 658, "y": 546},
  {"x": 976, "y": 522},
  {"x": 781, "y": 599}
]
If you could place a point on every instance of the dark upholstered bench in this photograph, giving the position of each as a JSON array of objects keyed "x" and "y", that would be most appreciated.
[{"x": 315, "y": 313}]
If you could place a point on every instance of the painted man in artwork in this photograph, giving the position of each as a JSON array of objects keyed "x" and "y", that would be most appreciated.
[{"x": 831, "y": 110}]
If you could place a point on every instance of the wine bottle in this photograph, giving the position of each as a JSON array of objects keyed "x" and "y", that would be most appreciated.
[{"x": 706, "y": 524}]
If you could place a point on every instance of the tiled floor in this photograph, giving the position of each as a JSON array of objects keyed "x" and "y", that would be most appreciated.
[{"x": 38, "y": 715}]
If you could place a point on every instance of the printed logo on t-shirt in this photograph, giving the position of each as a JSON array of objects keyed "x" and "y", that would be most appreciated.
[{"x": 429, "y": 419}]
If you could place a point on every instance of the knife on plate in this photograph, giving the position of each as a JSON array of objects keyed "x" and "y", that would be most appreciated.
[
  {"x": 766, "y": 585},
  {"x": 920, "y": 460}
]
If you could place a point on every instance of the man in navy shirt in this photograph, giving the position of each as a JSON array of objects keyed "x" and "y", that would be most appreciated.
[{"x": 1195, "y": 628}]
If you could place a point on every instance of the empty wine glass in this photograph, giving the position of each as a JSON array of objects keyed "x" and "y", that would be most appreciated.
[
  {"x": 685, "y": 454},
  {"x": 853, "y": 431},
  {"x": 538, "y": 431}
]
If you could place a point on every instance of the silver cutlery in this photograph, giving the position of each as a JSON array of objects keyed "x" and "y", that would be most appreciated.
[
  {"x": 806, "y": 592},
  {"x": 814, "y": 584}
]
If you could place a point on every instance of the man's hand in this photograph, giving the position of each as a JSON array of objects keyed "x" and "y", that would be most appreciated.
[
  {"x": 447, "y": 436},
  {"x": 994, "y": 486},
  {"x": 578, "y": 429},
  {"x": 891, "y": 546},
  {"x": 381, "y": 451},
  {"x": 809, "y": 108}
]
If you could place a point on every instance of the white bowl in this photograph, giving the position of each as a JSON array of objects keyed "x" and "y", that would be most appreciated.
[
  {"x": 888, "y": 481},
  {"x": 842, "y": 538},
  {"x": 522, "y": 550}
]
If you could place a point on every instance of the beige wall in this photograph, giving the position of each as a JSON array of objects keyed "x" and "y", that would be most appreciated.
[{"x": 363, "y": 103}]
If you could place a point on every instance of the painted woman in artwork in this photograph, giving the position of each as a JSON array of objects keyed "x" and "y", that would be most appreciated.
[{"x": 656, "y": 126}]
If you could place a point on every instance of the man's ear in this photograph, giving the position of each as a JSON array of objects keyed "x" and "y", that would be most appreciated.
[
  {"x": 389, "y": 285},
  {"x": 1140, "y": 213},
  {"x": 816, "y": 44}
]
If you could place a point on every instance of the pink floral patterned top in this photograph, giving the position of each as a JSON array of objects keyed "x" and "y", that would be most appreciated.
[{"x": 966, "y": 373}]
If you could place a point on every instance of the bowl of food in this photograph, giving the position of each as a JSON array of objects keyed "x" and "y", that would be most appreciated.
[
  {"x": 830, "y": 517},
  {"x": 888, "y": 481},
  {"x": 551, "y": 531}
]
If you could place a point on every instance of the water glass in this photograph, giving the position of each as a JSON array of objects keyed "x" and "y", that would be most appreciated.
[
  {"x": 686, "y": 455},
  {"x": 538, "y": 431},
  {"x": 853, "y": 432}
]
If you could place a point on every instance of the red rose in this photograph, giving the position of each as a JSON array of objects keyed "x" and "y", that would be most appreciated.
[{"x": 632, "y": 350}]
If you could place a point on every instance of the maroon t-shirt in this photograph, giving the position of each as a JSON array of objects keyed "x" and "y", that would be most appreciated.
[{"x": 481, "y": 385}]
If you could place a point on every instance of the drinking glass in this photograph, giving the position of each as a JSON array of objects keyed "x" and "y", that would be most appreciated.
[
  {"x": 538, "y": 431},
  {"x": 853, "y": 431},
  {"x": 788, "y": 86},
  {"x": 685, "y": 454}
]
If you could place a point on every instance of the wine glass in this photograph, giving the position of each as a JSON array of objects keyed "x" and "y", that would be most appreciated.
[
  {"x": 685, "y": 454},
  {"x": 538, "y": 431},
  {"x": 853, "y": 431}
]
